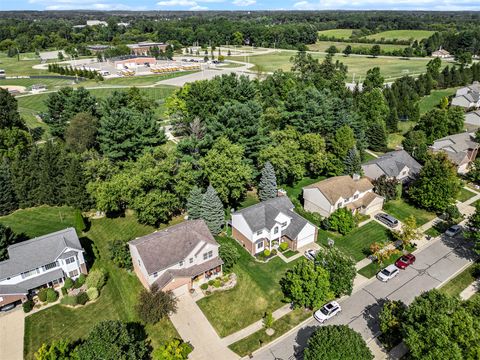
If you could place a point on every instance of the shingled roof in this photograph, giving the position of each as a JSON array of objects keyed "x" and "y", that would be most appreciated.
[
  {"x": 392, "y": 163},
  {"x": 338, "y": 187},
  {"x": 456, "y": 146}
]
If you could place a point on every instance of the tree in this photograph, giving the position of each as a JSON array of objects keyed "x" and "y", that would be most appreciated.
[
  {"x": 473, "y": 225},
  {"x": 154, "y": 304},
  {"x": 212, "y": 211},
  {"x": 229, "y": 254},
  {"x": 340, "y": 268},
  {"x": 306, "y": 285},
  {"x": 388, "y": 188},
  {"x": 375, "y": 50},
  {"x": 353, "y": 163},
  {"x": 194, "y": 203},
  {"x": 415, "y": 143},
  {"x": 81, "y": 132},
  {"x": 267, "y": 187},
  {"x": 437, "y": 185},
  {"x": 373, "y": 80},
  {"x": 9, "y": 116},
  {"x": 348, "y": 50},
  {"x": 343, "y": 141},
  {"x": 342, "y": 221},
  {"x": 434, "y": 66},
  {"x": 172, "y": 350},
  {"x": 8, "y": 200},
  {"x": 237, "y": 38},
  {"x": 391, "y": 318},
  {"x": 333, "y": 342},
  {"x": 409, "y": 231},
  {"x": 113, "y": 340},
  {"x": 56, "y": 350},
  {"x": 7, "y": 238},
  {"x": 332, "y": 50},
  {"x": 74, "y": 190},
  {"x": 120, "y": 254}
]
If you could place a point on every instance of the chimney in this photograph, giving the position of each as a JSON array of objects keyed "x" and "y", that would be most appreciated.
[
  {"x": 281, "y": 192},
  {"x": 356, "y": 177}
]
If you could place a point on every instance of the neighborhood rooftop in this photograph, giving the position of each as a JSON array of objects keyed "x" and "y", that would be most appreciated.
[
  {"x": 341, "y": 187},
  {"x": 392, "y": 163}
]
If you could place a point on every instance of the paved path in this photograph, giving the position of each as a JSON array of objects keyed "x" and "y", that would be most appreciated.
[
  {"x": 470, "y": 290},
  {"x": 11, "y": 334},
  {"x": 193, "y": 327}
]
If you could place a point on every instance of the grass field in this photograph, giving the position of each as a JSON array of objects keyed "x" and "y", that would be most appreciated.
[
  {"x": 50, "y": 83},
  {"x": 324, "y": 45},
  {"x": 401, "y": 35},
  {"x": 401, "y": 210},
  {"x": 427, "y": 103},
  {"x": 465, "y": 194},
  {"x": 257, "y": 291},
  {"x": 13, "y": 67},
  {"x": 338, "y": 33},
  {"x": 357, "y": 65},
  {"x": 117, "y": 298},
  {"x": 456, "y": 285},
  {"x": 294, "y": 191}
]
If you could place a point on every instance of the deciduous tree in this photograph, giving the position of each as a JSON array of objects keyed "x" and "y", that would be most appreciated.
[
  {"x": 340, "y": 268},
  {"x": 154, "y": 304}
]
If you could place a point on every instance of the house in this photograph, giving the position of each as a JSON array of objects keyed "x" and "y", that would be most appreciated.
[
  {"x": 441, "y": 53},
  {"x": 472, "y": 120},
  {"x": 38, "y": 88},
  {"x": 461, "y": 149},
  {"x": 96, "y": 23},
  {"x": 356, "y": 194},
  {"x": 143, "y": 48},
  {"x": 178, "y": 258},
  {"x": 395, "y": 164},
  {"x": 131, "y": 61},
  {"x": 267, "y": 224},
  {"x": 40, "y": 262},
  {"x": 468, "y": 97}
]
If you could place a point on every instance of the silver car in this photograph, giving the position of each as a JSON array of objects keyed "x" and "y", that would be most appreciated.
[{"x": 453, "y": 230}]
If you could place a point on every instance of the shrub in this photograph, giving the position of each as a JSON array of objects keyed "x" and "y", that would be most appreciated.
[
  {"x": 342, "y": 220},
  {"x": 69, "y": 300},
  {"x": 81, "y": 280},
  {"x": 204, "y": 286},
  {"x": 283, "y": 246},
  {"x": 64, "y": 291},
  {"x": 274, "y": 252},
  {"x": 96, "y": 279},
  {"x": 266, "y": 252},
  {"x": 120, "y": 254},
  {"x": 27, "y": 306},
  {"x": 42, "y": 295},
  {"x": 52, "y": 295},
  {"x": 68, "y": 283},
  {"x": 268, "y": 320},
  {"x": 92, "y": 293},
  {"x": 217, "y": 283},
  {"x": 210, "y": 282},
  {"x": 82, "y": 298},
  {"x": 230, "y": 255}
]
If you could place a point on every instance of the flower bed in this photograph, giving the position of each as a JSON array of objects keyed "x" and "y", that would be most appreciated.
[{"x": 223, "y": 283}]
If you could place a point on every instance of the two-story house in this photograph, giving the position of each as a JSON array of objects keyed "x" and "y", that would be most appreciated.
[
  {"x": 468, "y": 97},
  {"x": 394, "y": 165},
  {"x": 177, "y": 258},
  {"x": 40, "y": 262},
  {"x": 269, "y": 223},
  {"x": 356, "y": 194},
  {"x": 461, "y": 149}
]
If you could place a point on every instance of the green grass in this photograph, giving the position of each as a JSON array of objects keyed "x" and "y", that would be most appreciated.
[
  {"x": 229, "y": 65},
  {"x": 373, "y": 268},
  {"x": 257, "y": 291},
  {"x": 338, "y": 33},
  {"x": 258, "y": 339},
  {"x": 459, "y": 283},
  {"x": 368, "y": 157},
  {"x": 465, "y": 194},
  {"x": 13, "y": 67},
  {"x": 116, "y": 301},
  {"x": 357, "y": 243},
  {"x": 289, "y": 253},
  {"x": 144, "y": 79},
  {"x": 294, "y": 191},
  {"x": 49, "y": 83},
  {"x": 429, "y": 102},
  {"x": 401, "y": 210},
  {"x": 340, "y": 45},
  {"x": 401, "y": 35},
  {"x": 43, "y": 220},
  {"x": 437, "y": 229}
]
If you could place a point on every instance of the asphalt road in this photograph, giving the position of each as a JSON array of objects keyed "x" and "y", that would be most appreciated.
[{"x": 435, "y": 264}]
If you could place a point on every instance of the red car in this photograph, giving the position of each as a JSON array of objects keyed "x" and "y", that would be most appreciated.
[{"x": 405, "y": 261}]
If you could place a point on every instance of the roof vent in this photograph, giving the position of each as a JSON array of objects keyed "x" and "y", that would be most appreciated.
[{"x": 356, "y": 177}]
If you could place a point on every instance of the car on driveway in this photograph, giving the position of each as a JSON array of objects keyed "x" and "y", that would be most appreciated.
[
  {"x": 453, "y": 230},
  {"x": 388, "y": 273},
  {"x": 327, "y": 311},
  {"x": 310, "y": 254},
  {"x": 405, "y": 261},
  {"x": 388, "y": 220}
]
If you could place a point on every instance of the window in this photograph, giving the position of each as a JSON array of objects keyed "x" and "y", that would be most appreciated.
[
  {"x": 73, "y": 273},
  {"x": 355, "y": 196},
  {"x": 339, "y": 205},
  {"x": 27, "y": 274},
  {"x": 139, "y": 264},
  {"x": 210, "y": 254},
  {"x": 259, "y": 232},
  {"x": 260, "y": 245},
  {"x": 155, "y": 274},
  {"x": 70, "y": 260},
  {"x": 284, "y": 224},
  {"x": 207, "y": 255},
  {"x": 275, "y": 230},
  {"x": 50, "y": 266},
  {"x": 191, "y": 260},
  {"x": 180, "y": 263}
]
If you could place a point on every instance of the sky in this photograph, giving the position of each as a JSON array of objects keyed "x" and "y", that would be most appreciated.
[{"x": 202, "y": 5}]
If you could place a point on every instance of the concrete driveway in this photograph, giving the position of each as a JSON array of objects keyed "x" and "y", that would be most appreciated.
[
  {"x": 435, "y": 265},
  {"x": 193, "y": 327},
  {"x": 11, "y": 334}
]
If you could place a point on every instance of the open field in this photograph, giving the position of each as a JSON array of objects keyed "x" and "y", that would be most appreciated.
[
  {"x": 324, "y": 45},
  {"x": 402, "y": 35},
  {"x": 13, "y": 67},
  {"x": 51, "y": 84},
  {"x": 428, "y": 102},
  {"x": 401, "y": 210},
  {"x": 338, "y": 33}
]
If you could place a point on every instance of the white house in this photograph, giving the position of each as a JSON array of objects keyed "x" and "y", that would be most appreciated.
[
  {"x": 40, "y": 262},
  {"x": 177, "y": 258},
  {"x": 394, "y": 165},
  {"x": 441, "y": 53},
  {"x": 267, "y": 224},
  {"x": 468, "y": 97},
  {"x": 356, "y": 194}
]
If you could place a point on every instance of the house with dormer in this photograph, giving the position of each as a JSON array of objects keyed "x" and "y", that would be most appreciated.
[{"x": 461, "y": 149}]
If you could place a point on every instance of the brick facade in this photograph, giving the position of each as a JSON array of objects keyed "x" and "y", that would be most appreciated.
[{"x": 247, "y": 244}]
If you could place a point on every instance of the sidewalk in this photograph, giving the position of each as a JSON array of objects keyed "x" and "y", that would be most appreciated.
[{"x": 471, "y": 290}]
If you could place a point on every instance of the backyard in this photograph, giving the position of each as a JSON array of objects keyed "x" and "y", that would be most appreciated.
[
  {"x": 429, "y": 102},
  {"x": 401, "y": 210}
]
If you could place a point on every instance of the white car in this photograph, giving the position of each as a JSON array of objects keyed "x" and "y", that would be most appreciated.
[
  {"x": 327, "y": 311},
  {"x": 453, "y": 230},
  {"x": 388, "y": 273},
  {"x": 310, "y": 254}
]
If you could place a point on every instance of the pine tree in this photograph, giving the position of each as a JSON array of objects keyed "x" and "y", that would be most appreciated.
[
  {"x": 377, "y": 137},
  {"x": 74, "y": 191},
  {"x": 212, "y": 210},
  {"x": 267, "y": 188},
  {"x": 392, "y": 120},
  {"x": 194, "y": 203},
  {"x": 352, "y": 162},
  {"x": 8, "y": 201}
]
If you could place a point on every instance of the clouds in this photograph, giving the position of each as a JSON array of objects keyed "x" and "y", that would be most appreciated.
[
  {"x": 387, "y": 5},
  {"x": 85, "y": 4},
  {"x": 244, "y": 2},
  {"x": 194, "y": 5}
]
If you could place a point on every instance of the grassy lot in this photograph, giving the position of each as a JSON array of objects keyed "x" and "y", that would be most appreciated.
[
  {"x": 373, "y": 268},
  {"x": 258, "y": 339},
  {"x": 456, "y": 285},
  {"x": 368, "y": 157},
  {"x": 49, "y": 83},
  {"x": 357, "y": 65},
  {"x": 115, "y": 302},
  {"x": 340, "y": 45},
  {"x": 13, "y": 67},
  {"x": 257, "y": 291},
  {"x": 401, "y": 35},
  {"x": 338, "y": 33},
  {"x": 465, "y": 194},
  {"x": 401, "y": 210},
  {"x": 357, "y": 243},
  {"x": 295, "y": 191},
  {"x": 144, "y": 79},
  {"x": 429, "y": 102},
  {"x": 395, "y": 139}
]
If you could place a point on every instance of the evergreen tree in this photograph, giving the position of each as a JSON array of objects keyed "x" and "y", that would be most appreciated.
[
  {"x": 74, "y": 191},
  {"x": 51, "y": 179},
  {"x": 352, "y": 162},
  {"x": 9, "y": 116},
  {"x": 8, "y": 200},
  {"x": 212, "y": 211},
  {"x": 7, "y": 238},
  {"x": 194, "y": 203},
  {"x": 392, "y": 120},
  {"x": 377, "y": 137},
  {"x": 267, "y": 188}
]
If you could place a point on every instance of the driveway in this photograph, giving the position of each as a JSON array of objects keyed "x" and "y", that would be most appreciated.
[
  {"x": 193, "y": 327},
  {"x": 11, "y": 334},
  {"x": 435, "y": 264}
]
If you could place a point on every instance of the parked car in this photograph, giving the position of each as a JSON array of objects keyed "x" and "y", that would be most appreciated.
[
  {"x": 453, "y": 230},
  {"x": 388, "y": 220},
  {"x": 310, "y": 254},
  {"x": 405, "y": 261},
  {"x": 8, "y": 307},
  {"x": 388, "y": 273},
  {"x": 327, "y": 311}
]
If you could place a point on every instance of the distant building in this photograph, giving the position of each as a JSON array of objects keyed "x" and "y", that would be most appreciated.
[
  {"x": 143, "y": 48},
  {"x": 124, "y": 24},
  {"x": 37, "y": 88},
  {"x": 461, "y": 149},
  {"x": 468, "y": 97},
  {"x": 51, "y": 55},
  {"x": 441, "y": 53},
  {"x": 394, "y": 165},
  {"x": 131, "y": 61},
  {"x": 96, "y": 23},
  {"x": 472, "y": 120},
  {"x": 97, "y": 48}
]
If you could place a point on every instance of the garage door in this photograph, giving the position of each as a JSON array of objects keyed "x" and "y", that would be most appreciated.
[
  {"x": 374, "y": 208},
  {"x": 306, "y": 240}
]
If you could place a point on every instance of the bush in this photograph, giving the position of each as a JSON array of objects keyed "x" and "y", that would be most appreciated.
[
  {"x": 81, "y": 280},
  {"x": 120, "y": 254},
  {"x": 217, "y": 283},
  {"x": 96, "y": 279},
  {"x": 42, "y": 295},
  {"x": 210, "y": 282},
  {"x": 82, "y": 298},
  {"x": 342, "y": 221},
  {"x": 92, "y": 293},
  {"x": 204, "y": 286},
  {"x": 266, "y": 253},
  {"x": 52, "y": 295},
  {"x": 283, "y": 246},
  {"x": 69, "y": 300},
  {"x": 27, "y": 306},
  {"x": 68, "y": 283},
  {"x": 64, "y": 291}
]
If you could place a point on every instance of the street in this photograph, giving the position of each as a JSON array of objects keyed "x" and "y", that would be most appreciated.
[{"x": 435, "y": 264}]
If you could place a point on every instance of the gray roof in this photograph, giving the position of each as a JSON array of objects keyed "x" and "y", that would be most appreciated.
[
  {"x": 164, "y": 248},
  {"x": 32, "y": 283},
  {"x": 392, "y": 163},
  {"x": 456, "y": 146},
  {"x": 30, "y": 254},
  {"x": 262, "y": 216},
  {"x": 473, "y": 118}
]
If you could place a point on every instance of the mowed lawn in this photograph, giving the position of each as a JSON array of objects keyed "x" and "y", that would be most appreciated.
[
  {"x": 117, "y": 299},
  {"x": 322, "y": 45},
  {"x": 401, "y": 35},
  {"x": 429, "y": 102},
  {"x": 465, "y": 194},
  {"x": 13, "y": 67},
  {"x": 460, "y": 282},
  {"x": 257, "y": 291},
  {"x": 338, "y": 33},
  {"x": 401, "y": 210}
]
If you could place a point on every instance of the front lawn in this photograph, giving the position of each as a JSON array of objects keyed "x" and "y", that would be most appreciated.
[
  {"x": 401, "y": 210},
  {"x": 256, "y": 292},
  {"x": 373, "y": 268},
  {"x": 357, "y": 243},
  {"x": 465, "y": 194},
  {"x": 459, "y": 283}
]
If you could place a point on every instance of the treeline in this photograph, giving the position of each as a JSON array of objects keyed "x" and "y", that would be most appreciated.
[
  {"x": 365, "y": 40},
  {"x": 69, "y": 70},
  {"x": 456, "y": 42}
]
